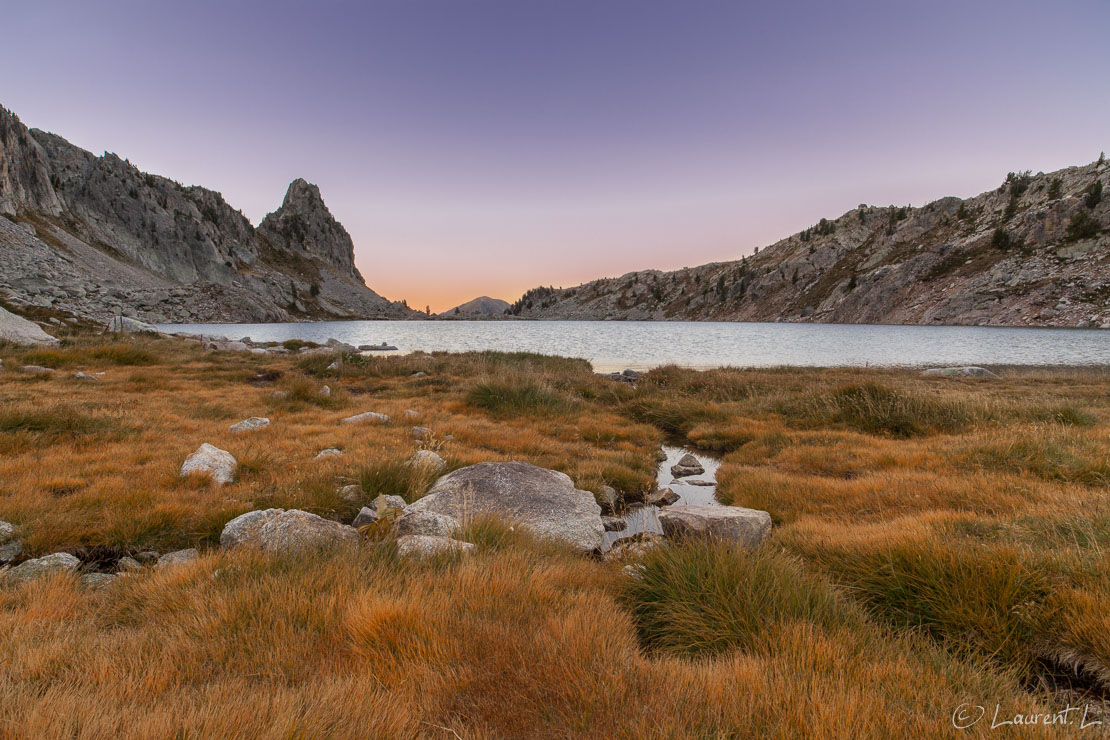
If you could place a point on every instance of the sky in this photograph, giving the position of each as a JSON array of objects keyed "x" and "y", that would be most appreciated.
[{"x": 482, "y": 147}]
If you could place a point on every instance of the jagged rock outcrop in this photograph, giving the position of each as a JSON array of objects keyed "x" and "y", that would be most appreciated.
[
  {"x": 97, "y": 237},
  {"x": 1034, "y": 252}
]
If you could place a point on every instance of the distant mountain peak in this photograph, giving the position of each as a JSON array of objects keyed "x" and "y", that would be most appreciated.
[{"x": 482, "y": 305}]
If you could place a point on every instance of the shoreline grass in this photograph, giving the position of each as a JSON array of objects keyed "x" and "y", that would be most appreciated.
[{"x": 936, "y": 541}]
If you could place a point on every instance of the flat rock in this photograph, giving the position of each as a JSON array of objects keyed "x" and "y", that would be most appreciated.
[
  {"x": 747, "y": 527},
  {"x": 247, "y": 425},
  {"x": 59, "y": 562},
  {"x": 329, "y": 452},
  {"x": 220, "y": 464},
  {"x": 686, "y": 466},
  {"x": 369, "y": 416},
  {"x": 85, "y": 376},
  {"x": 178, "y": 557},
  {"x": 18, "y": 330},
  {"x": 545, "y": 501},
  {"x": 959, "y": 372},
  {"x": 420, "y": 546},
  {"x": 244, "y": 528},
  {"x": 37, "y": 370}
]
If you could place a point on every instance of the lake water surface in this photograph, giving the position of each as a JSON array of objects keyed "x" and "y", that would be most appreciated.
[{"x": 640, "y": 345}]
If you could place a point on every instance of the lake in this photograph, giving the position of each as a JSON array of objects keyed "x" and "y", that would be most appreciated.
[{"x": 640, "y": 345}]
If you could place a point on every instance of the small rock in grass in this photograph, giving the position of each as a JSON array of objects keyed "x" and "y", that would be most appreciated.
[
  {"x": 178, "y": 557},
  {"x": 325, "y": 391},
  {"x": 352, "y": 493},
  {"x": 148, "y": 557},
  {"x": 429, "y": 460},
  {"x": 421, "y": 432},
  {"x": 83, "y": 376},
  {"x": 128, "y": 565},
  {"x": 959, "y": 372},
  {"x": 366, "y": 515},
  {"x": 418, "y": 545},
  {"x": 389, "y": 502},
  {"x": 367, "y": 416},
  {"x": 410, "y": 414},
  {"x": 9, "y": 551},
  {"x": 220, "y": 464},
  {"x": 329, "y": 452},
  {"x": 97, "y": 580},
  {"x": 58, "y": 562},
  {"x": 36, "y": 370},
  {"x": 247, "y": 425}
]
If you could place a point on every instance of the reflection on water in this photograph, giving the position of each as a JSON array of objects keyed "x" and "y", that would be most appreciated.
[
  {"x": 644, "y": 519},
  {"x": 615, "y": 345}
]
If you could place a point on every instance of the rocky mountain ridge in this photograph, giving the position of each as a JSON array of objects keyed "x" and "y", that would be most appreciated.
[
  {"x": 1034, "y": 252},
  {"x": 97, "y": 237}
]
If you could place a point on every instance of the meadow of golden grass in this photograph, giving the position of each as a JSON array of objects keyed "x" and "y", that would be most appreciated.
[{"x": 937, "y": 543}]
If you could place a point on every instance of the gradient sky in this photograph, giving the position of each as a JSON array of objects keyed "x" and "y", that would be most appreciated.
[{"x": 477, "y": 147}]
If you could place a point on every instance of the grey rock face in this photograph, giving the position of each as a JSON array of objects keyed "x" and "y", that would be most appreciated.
[
  {"x": 614, "y": 524},
  {"x": 369, "y": 416},
  {"x": 18, "y": 330},
  {"x": 352, "y": 493},
  {"x": 244, "y": 528},
  {"x": 686, "y": 466},
  {"x": 220, "y": 464},
  {"x": 426, "y": 523},
  {"x": 295, "y": 531},
  {"x": 58, "y": 562},
  {"x": 7, "y": 531},
  {"x": 421, "y": 546},
  {"x": 959, "y": 372},
  {"x": 304, "y": 224},
  {"x": 249, "y": 425},
  {"x": 385, "y": 502},
  {"x": 545, "y": 501},
  {"x": 178, "y": 557},
  {"x": 747, "y": 527},
  {"x": 9, "y": 551},
  {"x": 121, "y": 240}
]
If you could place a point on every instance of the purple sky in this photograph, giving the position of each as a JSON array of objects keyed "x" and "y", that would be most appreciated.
[{"x": 477, "y": 147}]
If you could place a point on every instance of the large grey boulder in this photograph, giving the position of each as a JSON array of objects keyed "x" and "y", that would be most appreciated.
[
  {"x": 249, "y": 425},
  {"x": 420, "y": 546},
  {"x": 959, "y": 372},
  {"x": 297, "y": 531},
  {"x": 369, "y": 416},
  {"x": 127, "y": 325},
  {"x": 58, "y": 562},
  {"x": 686, "y": 466},
  {"x": 545, "y": 501},
  {"x": 426, "y": 523},
  {"x": 220, "y": 464},
  {"x": 244, "y": 528},
  {"x": 18, "y": 330},
  {"x": 747, "y": 527}
]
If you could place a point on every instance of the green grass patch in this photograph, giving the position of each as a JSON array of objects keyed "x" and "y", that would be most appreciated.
[{"x": 508, "y": 397}]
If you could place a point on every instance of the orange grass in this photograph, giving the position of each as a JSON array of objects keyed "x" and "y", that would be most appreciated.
[{"x": 936, "y": 542}]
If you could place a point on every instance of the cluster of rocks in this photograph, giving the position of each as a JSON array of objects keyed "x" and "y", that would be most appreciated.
[
  {"x": 625, "y": 376},
  {"x": 63, "y": 562}
]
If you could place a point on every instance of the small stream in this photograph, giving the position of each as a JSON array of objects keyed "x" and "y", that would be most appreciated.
[{"x": 700, "y": 490}]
